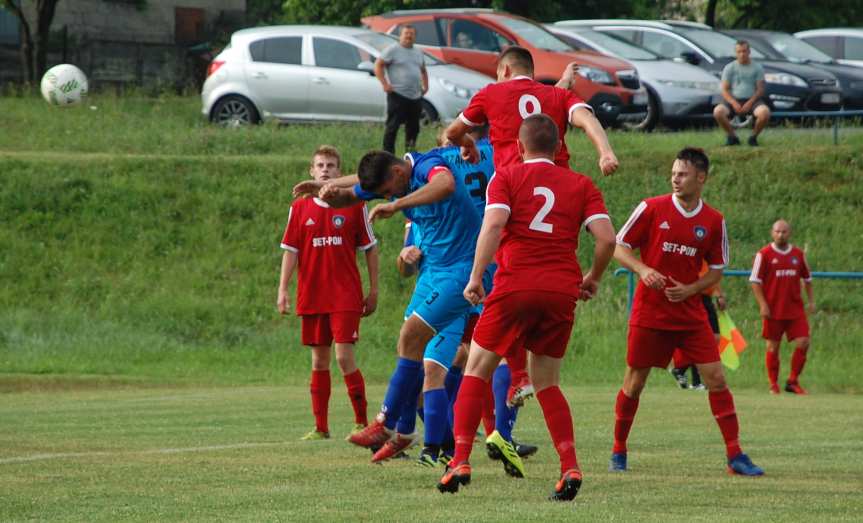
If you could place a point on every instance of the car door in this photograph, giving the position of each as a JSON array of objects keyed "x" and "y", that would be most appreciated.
[
  {"x": 276, "y": 78},
  {"x": 852, "y": 50},
  {"x": 339, "y": 89},
  {"x": 471, "y": 44}
]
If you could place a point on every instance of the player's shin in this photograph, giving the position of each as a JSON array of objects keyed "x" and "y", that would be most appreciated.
[
  {"x": 722, "y": 406},
  {"x": 624, "y": 414},
  {"x": 558, "y": 418},
  {"x": 402, "y": 383},
  {"x": 504, "y": 415},
  {"x": 435, "y": 406},
  {"x": 468, "y": 411}
]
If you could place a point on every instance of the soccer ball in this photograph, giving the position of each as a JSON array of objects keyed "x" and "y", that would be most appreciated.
[{"x": 64, "y": 85}]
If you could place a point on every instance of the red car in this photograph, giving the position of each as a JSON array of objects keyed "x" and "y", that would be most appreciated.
[{"x": 472, "y": 38}]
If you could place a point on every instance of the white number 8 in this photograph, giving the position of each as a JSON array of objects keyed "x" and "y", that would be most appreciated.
[
  {"x": 528, "y": 99},
  {"x": 537, "y": 224}
]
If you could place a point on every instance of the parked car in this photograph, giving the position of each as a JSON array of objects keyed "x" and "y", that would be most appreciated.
[
  {"x": 783, "y": 46},
  {"x": 790, "y": 87},
  {"x": 677, "y": 92},
  {"x": 845, "y": 45},
  {"x": 318, "y": 73},
  {"x": 473, "y": 38}
]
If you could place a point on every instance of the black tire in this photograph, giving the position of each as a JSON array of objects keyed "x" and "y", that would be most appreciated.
[
  {"x": 428, "y": 114},
  {"x": 650, "y": 119},
  {"x": 234, "y": 111}
]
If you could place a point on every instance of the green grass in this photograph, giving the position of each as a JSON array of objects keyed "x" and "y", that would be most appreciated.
[
  {"x": 141, "y": 243},
  {"x": 205, "y": 454}
]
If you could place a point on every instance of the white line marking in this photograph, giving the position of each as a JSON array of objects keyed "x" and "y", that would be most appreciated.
[{"x": 179, "y": 450}]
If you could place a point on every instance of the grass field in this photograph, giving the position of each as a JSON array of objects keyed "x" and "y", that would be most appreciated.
[{"x": 205, "y": 454}]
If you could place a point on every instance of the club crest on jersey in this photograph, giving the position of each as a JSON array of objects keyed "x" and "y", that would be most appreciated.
[
  {"x": 793, "y": 260},
  {"x": 700, "y": 232},
  {"x": 338, "y": 221}
]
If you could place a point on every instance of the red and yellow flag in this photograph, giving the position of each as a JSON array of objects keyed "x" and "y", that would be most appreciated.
[{"x": 731, "y": 342}]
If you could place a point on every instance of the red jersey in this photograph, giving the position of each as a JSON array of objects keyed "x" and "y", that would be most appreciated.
[
  {"x": 326, "y": 240},
  {"x": 779, "y": 273},
  {"x": 674, "y": 242},
  {"x": 504, "y": 105},
  {"x": 548, "y": 206}
]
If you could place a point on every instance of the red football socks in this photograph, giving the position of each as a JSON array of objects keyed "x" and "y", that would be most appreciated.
[
  {"x": 624, "y": 413},
  {"x": 518, "y": 366},
  {"x": 772, "y": 363},
  {"x": 798, "y": 360},
  {"x": 488, "y": 419},
  {"x": 468, "y": 410},
  {"x": 320, "y": 389},
  {"x": 722, "y": 406},
  {"x": 558, "y": 419},
  {"x": 357, "y": 393}
]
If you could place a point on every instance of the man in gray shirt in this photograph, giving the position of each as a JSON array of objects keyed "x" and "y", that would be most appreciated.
[
  {"x": 742, "y": 91},
  {"x": 402, "y": 72}
]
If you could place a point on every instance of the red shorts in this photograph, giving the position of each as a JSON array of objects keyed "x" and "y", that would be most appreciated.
[
  {"x": 540, "y": 321},
  {"x": 323, "y": 329},
  {"x": 654, "y": 347},
  {"x": 469, "y": 327},
  {"x": 793, "y": 329}
]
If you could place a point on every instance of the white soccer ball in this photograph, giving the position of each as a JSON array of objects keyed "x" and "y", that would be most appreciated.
[{"x": 64, "y": 85}]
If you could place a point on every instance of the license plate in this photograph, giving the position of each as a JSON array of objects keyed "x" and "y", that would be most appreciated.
[
  {"x": 830, "y": 98},
  {"x": 641, "y": 99}
]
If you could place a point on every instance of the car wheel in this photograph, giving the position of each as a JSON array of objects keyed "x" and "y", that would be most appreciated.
[
  {"x": 429, "y": 115},
  {"x": 234, "y": 111},
  {"x": 648, "y": 123}
]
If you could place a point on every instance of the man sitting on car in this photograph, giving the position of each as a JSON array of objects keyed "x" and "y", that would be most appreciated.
[{"x": 742, "y": 90}]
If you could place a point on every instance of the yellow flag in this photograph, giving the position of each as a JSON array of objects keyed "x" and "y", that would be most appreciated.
[{"x": 731, "y": 342}]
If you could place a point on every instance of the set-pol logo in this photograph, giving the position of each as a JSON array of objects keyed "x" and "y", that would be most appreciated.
[
  {"x": 338, "y": 221},
  {"x": 700, "y": 232}
]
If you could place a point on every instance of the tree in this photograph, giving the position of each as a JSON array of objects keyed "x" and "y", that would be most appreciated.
[{"x": 34, "y": 46}]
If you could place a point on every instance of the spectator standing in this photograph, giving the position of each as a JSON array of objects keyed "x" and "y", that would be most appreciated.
[
  {"x": 402, "y": 73},
  {"x": 743, "y": 94}
]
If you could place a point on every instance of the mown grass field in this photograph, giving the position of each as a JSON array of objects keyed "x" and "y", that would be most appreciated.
[{"x": 145, "y": 374}]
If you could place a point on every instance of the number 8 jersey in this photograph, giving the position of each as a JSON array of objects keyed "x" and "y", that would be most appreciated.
[{"x": 548, "y": 207}]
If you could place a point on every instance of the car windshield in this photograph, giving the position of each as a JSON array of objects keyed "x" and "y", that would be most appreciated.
[
  {"x": 381, "y": 41},
  {"x": 534, "y": 34},
  {"x": 717, "y": 44},
  {"x": 796, "y": 50},
  {"x": 618, "y": 46}
]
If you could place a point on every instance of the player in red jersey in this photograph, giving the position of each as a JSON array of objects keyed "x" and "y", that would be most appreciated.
[
  {"x": 534, "y": 211},
  {"x": 776, "y": 275},
  {"x": 674, "y": 233},
  {"x": 515, "y": 96},
  {"x": 323, "y": 242}
]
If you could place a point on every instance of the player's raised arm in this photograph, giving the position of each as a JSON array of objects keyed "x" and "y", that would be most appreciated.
[
  {"x": 440, "y": 186},
  {"x": 313, "y": 187},
  {"x": 584, "y": 119}
]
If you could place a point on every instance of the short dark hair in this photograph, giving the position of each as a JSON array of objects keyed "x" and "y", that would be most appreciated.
[
  {"x": 374, "y": 169},
  {"x": 406, "y": 26},
  {"x": 696, "y": 156},
  {"x": 742, "y": 42},
  {"x": 538, "y": 134},
  {"x": 517, "y": 56}
]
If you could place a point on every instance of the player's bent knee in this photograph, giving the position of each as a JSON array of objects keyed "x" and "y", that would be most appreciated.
[{"x": 435, "y": 375}]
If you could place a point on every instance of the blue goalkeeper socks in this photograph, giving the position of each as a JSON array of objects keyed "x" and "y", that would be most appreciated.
[
  {"x": 407, "y": 422},
  {"x": 436, "y": 406},
  {"x": 402, "y": 384},
  {"x": 504, "y": 417}
]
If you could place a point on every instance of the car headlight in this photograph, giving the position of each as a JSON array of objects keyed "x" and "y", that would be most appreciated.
[
  {"x": 456, "y": 89},
  {"x": 595, "y": 75},
  {"x": 785, "y": 79},
  {"x": 685, "y": 84}
]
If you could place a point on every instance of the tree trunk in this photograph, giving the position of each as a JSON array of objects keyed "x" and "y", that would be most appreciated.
[
  {"x": 710, "y": 15},
  {"x": 44, "y": 16},
  {"x": 26, "y": 51}
]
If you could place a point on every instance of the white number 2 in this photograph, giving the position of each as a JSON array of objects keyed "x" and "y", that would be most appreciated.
[{"x": 537, "y": 224}]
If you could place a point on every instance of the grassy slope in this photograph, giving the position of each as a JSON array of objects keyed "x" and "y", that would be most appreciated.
[{"x": 139, "y": 241}]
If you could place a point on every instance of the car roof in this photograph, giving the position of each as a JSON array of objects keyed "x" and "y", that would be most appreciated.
[
  {"x": 657, "y": 24},
  {"x": 296, "y": 30},
  {"x": 753, "y": 32},
  {"x": 455, "y": 10},
  {"x": 832, "y": 31}
]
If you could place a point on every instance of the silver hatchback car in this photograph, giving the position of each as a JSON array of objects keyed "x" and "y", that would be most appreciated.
[{"x": 318, "y": 73}]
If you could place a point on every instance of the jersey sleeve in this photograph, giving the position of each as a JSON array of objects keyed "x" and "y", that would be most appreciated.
[
  {"x": 594, "y": 205},
  {"x": 572, "y": 102},
  {"x": 759, "y": 269},
  {"x": 805, "y": 273},
  {"x": 717, "y": 254},
  {"x": 498, "y": 194},
  {"x": 474, "y": 114},
  {"x": 365, "y": 236},
  {"x": 634, "y": 231},
  {"x": 291, "y": 238}
]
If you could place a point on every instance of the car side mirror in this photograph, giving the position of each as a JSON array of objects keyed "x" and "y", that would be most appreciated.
[
  {"x": 690, "y": 57},
  {"x": 367, "y": 67}
]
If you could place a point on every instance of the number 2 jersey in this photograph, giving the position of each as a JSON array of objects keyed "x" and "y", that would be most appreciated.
[
  {"x": 548, "y": 206},
  {"x": 326, "y": 240},
  {"x": 505, "y": 105},
  {"x": 779, "y": 273},
  {"x": 674, "y": 242}
]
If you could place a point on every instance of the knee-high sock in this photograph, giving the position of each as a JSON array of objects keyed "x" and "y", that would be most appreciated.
[
  {"x": 558, "y": 419},
  {"x": 798, "y": 360},
  {"x": 487, "y": 410},
  {"x": 624, "y": 413},
  {"x": 468, "y": 411},
  {"x": 518, "y": 365},
  {"x": 451, "y": 384},
  {"x": 435, "y": 405},
  {"x": 722, "y": 406},
  {"x": 504, "y": 417},
  {"x": 320, "y": 390},
  {"x": 402, "y": 384},
  {"x": 407, "y": 422},
  {"x": 772, "y": 363},
  {"x": 356, "y": 386}
]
